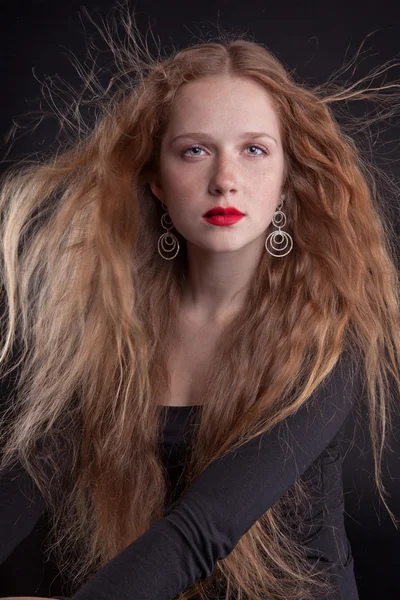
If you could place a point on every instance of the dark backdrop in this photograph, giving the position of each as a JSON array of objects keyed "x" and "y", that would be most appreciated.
[{"x": 314, "y": 39}]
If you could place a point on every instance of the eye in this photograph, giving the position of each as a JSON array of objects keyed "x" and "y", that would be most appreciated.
[
  {"x": 192, "y": 148},
  {"x": 261, "y": 148}
]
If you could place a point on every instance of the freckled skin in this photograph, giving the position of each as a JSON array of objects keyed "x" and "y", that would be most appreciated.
[
  {"x": 196, "y": 173},
  {"x": 220, "y": 161}
]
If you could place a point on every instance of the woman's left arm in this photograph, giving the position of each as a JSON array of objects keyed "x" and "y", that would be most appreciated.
[{"x": 224, "y": 501}]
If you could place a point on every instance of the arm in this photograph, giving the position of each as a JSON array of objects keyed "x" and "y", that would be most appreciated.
[{"x": 225, "y": 500}]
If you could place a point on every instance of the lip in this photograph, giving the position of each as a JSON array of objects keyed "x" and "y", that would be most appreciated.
[
  {"x": 223, "y": 210},
  {"x": 224, "y": 220}
]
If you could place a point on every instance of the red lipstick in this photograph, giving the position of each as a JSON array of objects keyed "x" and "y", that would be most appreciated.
[{"x": 222, "y": 216}]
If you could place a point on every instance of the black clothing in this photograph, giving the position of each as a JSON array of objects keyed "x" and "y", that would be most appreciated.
[{"x": 205, "y": 524}]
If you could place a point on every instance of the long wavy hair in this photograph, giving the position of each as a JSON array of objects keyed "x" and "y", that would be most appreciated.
[{"x": 89, "y": 304}]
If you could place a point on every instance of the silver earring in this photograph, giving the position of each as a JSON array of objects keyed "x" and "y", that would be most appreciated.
[
  {"x": 279, "y": 220},
  {"x": 167, "y": 242}
]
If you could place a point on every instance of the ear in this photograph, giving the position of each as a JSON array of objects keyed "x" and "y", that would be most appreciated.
[{"x": 156, "y": 189}]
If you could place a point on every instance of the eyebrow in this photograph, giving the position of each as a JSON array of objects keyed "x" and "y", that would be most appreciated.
[{"x": 247, "y": 134}]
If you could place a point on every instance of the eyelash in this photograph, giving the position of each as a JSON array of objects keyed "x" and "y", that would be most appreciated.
[{"x": 263, "y": 148}]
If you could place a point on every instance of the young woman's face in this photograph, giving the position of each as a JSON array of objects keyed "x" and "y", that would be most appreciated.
[{"x": 213, "y": 154}]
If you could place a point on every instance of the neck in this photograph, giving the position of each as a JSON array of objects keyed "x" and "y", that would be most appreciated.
[{"x": 218, "y": 282}]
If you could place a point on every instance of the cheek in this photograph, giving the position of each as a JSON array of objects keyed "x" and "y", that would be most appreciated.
[
  {"x": 175, "y": 181},
  {"x": 179, "y": 200},
  {"x": 267, "y": 198},
  {"x": 180, "y": 190}
]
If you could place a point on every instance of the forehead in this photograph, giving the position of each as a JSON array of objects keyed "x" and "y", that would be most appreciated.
[{"x": 222, "y": 103}]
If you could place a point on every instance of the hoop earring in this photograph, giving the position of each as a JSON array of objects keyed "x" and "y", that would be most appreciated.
[
  {"x": 167, "y": 242},
  {"x": 279, "y": 220}
]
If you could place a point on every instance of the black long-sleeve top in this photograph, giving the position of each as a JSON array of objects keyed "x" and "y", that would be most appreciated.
[{"x": 207, "y": 521}]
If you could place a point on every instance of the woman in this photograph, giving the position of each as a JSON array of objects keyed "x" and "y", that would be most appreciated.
[{"x": 206, "y": 285}]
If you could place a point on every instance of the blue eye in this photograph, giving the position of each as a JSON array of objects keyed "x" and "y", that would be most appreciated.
[
  {"x": 262, "y": 148},
  {"x": 192, "y": 148}
]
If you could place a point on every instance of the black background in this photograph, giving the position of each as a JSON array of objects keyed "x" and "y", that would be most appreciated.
[{"x": 312, "y": 38}]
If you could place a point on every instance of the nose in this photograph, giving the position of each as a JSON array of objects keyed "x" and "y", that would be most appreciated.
[{"x": 224, "y": 179}]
